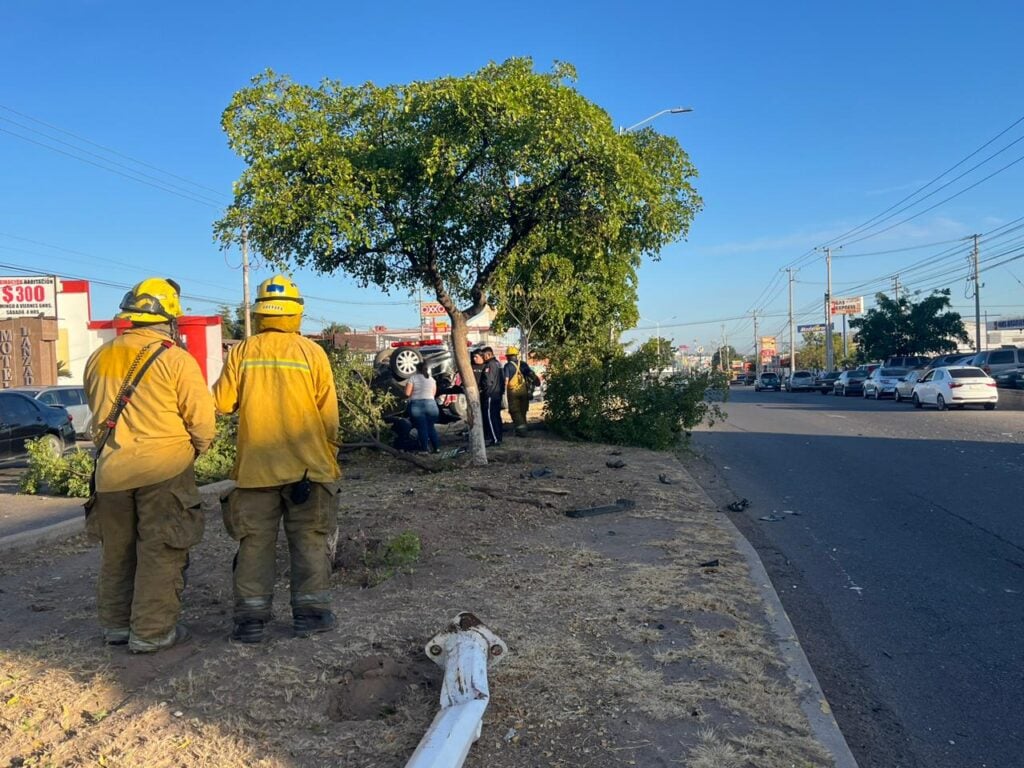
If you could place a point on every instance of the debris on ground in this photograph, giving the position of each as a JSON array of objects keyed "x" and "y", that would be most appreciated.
[
  {"x": 615, "y": 463},
  {"x": 772, "y": 518},
  {"x": 739, "y": 506},
  {"x": 621, "y": 505}
]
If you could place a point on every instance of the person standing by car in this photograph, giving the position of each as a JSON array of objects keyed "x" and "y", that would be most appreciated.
[
  {"x": 146, "y": 508},
  {"x": 492, "y": 389},
  {"x": 421, "y": 390},
  {"x": 282, "y": 387},
  {"x": 520, "y": 381}
]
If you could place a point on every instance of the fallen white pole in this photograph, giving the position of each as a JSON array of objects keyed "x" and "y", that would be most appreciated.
[{"x": 464, "y": 649}]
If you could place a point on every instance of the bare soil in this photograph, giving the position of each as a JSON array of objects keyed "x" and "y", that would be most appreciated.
[{"x": 623, "y": 649}]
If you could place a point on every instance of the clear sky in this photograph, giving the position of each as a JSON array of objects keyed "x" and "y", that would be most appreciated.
[{"x": 809, "y": 119}]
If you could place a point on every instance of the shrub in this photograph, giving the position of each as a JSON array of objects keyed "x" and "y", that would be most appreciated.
[
  {"x": 66, "y": 475},
  {"x": 361, "y": 406},
  {"x": 396, "y": 556},
  {"x": 621, "y": 400},
  {"x": 217, "y": 462}
]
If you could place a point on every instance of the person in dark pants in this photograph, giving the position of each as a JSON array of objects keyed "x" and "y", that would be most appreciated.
[{"x": 492, "y": 390}]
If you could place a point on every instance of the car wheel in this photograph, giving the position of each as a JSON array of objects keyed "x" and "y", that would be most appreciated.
[
  {"x": 940, "y": 402},
  {"x": 990, "y": 406},
  {"x": 896, "y": 396},
  {"x": 404, "y": 362},
  {"x": 54, "y": 445},
  {"x": 864, "y": 394},
  {"x": 917, "y": 401}
]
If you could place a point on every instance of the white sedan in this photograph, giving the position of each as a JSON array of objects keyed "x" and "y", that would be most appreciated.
[{"x": 956, "y": 385}]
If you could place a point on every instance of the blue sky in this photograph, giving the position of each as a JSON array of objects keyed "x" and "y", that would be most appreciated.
[{"x": 809, "y": 119}]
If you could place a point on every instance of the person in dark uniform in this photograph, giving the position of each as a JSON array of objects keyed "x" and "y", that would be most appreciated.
[{"x": 492, "y": 390}]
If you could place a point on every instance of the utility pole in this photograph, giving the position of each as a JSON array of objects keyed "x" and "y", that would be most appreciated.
[
  {"x": 722, "y": 352},
  {"x": 757, "y": 350},
  {"x": 792, "y": 344},
  {"x": 829, "y": 352},
  {"x": 245, "y": 282},
  {"x": 896, "y": 286},
  {"x": 977, "y": 299}
]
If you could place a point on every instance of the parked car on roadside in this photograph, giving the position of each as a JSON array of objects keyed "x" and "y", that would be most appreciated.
[
  {"x": 993, "y": 361},
  {"x": 849, "y": 383},
  {"x": 69, "y": 396},
  {"x": 882, "y": 382},
  {"x": 749, "y": 378},
  {"x": 825, "y": 382},
  {"x": 23, "y": 418},
  {"x": 956, "y": 386},
  {"x": 905, "y": 386},
  {"x": 906, "y": 361},
  {"x": 768, "y": 381},
  {"x": 957, "y": 358},
  {"x": 800, "y": 381},
  {"x": 1010, "y": 379}
]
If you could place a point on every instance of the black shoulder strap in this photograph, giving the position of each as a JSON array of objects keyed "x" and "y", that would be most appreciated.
[{"x": 131, "y": 382}]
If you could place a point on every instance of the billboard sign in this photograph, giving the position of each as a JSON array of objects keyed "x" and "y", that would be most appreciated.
[
  {"x": 1009, "y": 325},
  {"x": 28, "y": 296},
  {"x": 853, "y": 305},
  {"x": 811, "y": 328},
  {"x": 432, "y": 309},
  {"x": 767, "y": 346}
]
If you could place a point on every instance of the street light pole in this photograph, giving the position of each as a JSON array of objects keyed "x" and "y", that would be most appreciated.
[{"x": 669, "y": 111}]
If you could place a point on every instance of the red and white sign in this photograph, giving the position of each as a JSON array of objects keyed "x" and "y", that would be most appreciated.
[
  {"x": 849, "y": 306},
  {"x": 432, "y": 309},
  {"x": 28, "y": 296}
]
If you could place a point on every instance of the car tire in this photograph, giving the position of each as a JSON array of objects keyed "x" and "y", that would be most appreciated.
[
  {"x": 990, "y": 406},
  {"x": 404, "y": 361},
  {"x": 864, "y": 394},
  {"x": 917, "y": 401},
  {"x": 896, "y": 397},
  {"x": 54, "y": 445},
  {"x": 940, "y": 402}
]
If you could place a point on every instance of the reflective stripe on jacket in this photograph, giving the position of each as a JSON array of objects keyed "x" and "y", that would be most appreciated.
[
  {"x": 282, "y": 387},
  {"x": 170, "y": 416}
]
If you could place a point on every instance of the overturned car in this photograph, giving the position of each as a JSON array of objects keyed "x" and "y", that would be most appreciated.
[{"x": 392, "y": 367}]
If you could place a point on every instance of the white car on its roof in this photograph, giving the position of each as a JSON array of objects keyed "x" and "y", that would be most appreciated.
[{"x": 956, "y": 385}]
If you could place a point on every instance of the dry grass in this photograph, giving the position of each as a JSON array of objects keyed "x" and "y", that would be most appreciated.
[{"x": 623, "y": 651}]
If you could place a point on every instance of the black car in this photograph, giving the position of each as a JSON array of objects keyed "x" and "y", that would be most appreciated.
[
  {"x": 749, "y": 378},
  {"x": 849, "y": 383},
  {"x": 1010, "y": 379},
  {"x": 958, "y": 358},
  {"x": 825, "y": 382},
  {"x": 22, "y": 419}
]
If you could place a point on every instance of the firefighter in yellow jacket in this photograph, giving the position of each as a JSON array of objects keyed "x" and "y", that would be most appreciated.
[
  {"x": 146, "y": 509},
  {"x": 282, "y": 387}
]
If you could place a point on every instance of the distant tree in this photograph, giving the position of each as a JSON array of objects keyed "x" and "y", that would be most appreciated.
[
  {"x": 332, "y": 329},
  {"x": 660, "y": 350},
  {"x": 811, "y": 354},
  {"x": 903, "y": 327},
  {"x": 232, "y": 321},
  {"x": 724, "y": 356},
  {"x": 441, "y": 183}
]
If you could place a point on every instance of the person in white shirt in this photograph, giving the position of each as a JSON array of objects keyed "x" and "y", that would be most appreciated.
[{"x": 421, "y": 390}]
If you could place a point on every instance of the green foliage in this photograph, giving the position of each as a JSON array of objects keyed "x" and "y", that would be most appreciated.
[
  {"x": 66, "y": 475},
  {"x": 902, "y": 327},
  {"x": 232, "y": 321},
  {"x": 217, "y": 462},
  {"x": 661, "y": 350},
  {"x": 331, "y": 329},
  {"x": 812, "y": 353},
  {"x": 725, "y": 355},
  {"x": 618, "y": 400},
  {"x": 361, "y": 407},
  {"x": 396, "y": 556}
]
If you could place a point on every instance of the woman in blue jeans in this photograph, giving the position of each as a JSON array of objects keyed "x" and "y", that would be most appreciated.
[{"x": 421, "y": 390}]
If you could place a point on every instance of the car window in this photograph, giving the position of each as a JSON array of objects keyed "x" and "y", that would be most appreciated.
[
  {"x": 50, "y": 398},
  {"x": 18, "y": 409},
  {"x": 929, "y": 376},
  {"x": 968, "y": 373},
  {"x": 892, "y": 371},
  {"x": 1020, "y": 356},
  {"x": 1001, "y": 357},
  {"x": 69, "y": 396}
]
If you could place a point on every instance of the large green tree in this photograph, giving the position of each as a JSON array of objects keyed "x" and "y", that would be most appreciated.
[
  {"x": 903, "y": 327},
  {"x": 440, "y": 183},
  {"x": 811, "y": 353},
  {"x": 724, "y": 356},
  {"x": 232, "y": 321},
  {"x": 661, "y": 350}
]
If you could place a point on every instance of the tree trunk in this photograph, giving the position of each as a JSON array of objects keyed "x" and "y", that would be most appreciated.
[
  {"x": 460, "y": 347},
  {"x": 524, "y": 346}
]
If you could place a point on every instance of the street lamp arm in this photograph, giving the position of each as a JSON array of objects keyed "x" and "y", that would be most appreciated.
[{"x": 671, "y": 110}]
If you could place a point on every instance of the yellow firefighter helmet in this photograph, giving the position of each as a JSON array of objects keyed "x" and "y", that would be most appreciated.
[
  {"x": 154, "y": 300},
  {"x": 278, "y": 296}
]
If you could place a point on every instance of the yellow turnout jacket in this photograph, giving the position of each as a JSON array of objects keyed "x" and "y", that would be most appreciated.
[
  {"x": 282, "y": 386},
  {"x": 169, "y": 419}
]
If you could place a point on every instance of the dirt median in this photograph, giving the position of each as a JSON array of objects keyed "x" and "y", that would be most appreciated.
[{"x": 623, "y": 649}]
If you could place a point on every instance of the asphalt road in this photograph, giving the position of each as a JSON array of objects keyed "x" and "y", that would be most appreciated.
[{"x": 899, "y": 557}]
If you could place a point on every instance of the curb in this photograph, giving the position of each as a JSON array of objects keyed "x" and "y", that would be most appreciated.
[
  {"x": 812, "y": 699},
  {"x": 66, "y": 529}
]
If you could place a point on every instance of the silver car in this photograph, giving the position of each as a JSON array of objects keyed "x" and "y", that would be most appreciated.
[
  {"x": 69, "y": 396},
  {"x": 882, "y": 382},
  {"x": 905, "y": 386}
]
